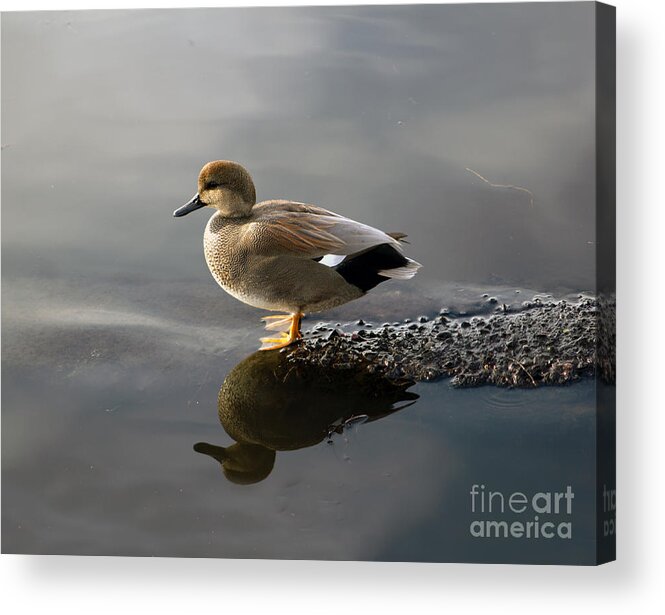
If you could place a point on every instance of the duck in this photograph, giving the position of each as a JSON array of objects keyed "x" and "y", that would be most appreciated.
[
  {"x": 267, "y": 404},
  {"x": 287, "y": 256}
]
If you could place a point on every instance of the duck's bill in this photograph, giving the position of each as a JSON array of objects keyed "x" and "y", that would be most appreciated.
[
  {"x": 191, "y": 205},
  {"x": 216, "y": 452}
]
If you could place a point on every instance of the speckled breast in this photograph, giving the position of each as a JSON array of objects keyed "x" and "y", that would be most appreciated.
[{"x": 224, "y": 260}]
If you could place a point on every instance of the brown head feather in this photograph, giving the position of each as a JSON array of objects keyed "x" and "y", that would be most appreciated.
[{"x": 227, "y": 186}]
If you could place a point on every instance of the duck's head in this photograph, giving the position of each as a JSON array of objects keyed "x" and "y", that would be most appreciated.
[
  {"x": 224, "y": 185},
  {"x": 242, "y": 463}
]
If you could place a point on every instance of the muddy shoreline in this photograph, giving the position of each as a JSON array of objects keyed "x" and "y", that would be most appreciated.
[{"x": 542, "y": 343}]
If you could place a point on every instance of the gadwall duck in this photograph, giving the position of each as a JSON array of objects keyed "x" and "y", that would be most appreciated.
[
  {"x": 288, "y": 257},
  {"x": 267, "y": 404}
]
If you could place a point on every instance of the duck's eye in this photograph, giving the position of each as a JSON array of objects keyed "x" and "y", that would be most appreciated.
[{"x": 213, "y": 185}]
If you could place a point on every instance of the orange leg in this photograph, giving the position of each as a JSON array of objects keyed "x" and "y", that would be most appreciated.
[{"x": 287, "y": 338}]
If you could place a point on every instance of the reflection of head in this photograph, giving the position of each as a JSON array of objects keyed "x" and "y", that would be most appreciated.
[
  {"x": 242, "y": 464},
  {"x": 268, "y": 404}
]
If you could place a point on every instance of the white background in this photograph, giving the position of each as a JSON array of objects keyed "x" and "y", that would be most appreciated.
[{"x": 634, "y": 583}]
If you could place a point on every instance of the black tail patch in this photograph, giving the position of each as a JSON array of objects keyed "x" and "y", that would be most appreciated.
[{"x": 362, "y": 269}]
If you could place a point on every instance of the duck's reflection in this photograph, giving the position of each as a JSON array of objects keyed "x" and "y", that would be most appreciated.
[{"x": 266, "y": 404}]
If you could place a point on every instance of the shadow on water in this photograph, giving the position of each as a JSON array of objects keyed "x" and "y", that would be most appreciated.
[{"x": 266, "y": 404}]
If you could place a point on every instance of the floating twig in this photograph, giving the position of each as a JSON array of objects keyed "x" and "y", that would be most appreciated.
[{"x": 507, "y": 186}]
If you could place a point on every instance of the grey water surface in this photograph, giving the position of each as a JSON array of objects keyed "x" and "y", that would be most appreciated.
[{"x": 116, "y": 341}]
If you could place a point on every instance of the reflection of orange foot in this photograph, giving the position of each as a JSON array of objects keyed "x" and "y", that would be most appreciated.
[{"x": 292, "y": 321}]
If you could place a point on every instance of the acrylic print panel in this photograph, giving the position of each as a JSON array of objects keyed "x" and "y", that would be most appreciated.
[{"x": 464, "y": 413}]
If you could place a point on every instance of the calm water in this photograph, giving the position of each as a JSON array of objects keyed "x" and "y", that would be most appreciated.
[{"x": 116, "y": 340}]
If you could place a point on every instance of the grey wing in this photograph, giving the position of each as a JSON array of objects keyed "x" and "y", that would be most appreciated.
[{"x": 312, "y": 232}]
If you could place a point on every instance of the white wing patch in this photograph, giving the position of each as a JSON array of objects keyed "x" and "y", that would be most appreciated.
[{"x": 332, "y": 260}]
